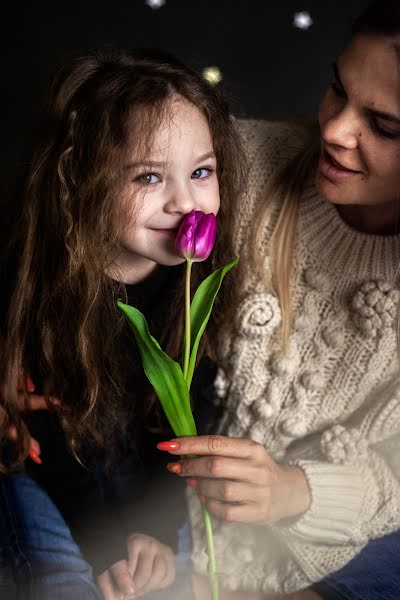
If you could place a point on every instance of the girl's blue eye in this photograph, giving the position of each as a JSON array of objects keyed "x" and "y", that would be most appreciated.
[
  {"x": 147, "y": 178},
  {"x": 201, "y": 173}
]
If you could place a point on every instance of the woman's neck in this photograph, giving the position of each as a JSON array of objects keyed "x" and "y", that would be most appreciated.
[{"x": 382, "y": 219}]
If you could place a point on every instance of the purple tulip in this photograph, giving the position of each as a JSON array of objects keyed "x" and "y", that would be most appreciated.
[{"x": 196, "y": 236}]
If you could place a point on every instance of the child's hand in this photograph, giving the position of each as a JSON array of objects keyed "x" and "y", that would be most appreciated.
[
  {"x": 149, "y": 567},
  {"x": 238, "y": 480}
]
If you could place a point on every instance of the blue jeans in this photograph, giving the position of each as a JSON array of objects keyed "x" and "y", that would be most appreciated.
[
  {"x": 373, "y": 575},
  {"x": 39, "y": 560}
]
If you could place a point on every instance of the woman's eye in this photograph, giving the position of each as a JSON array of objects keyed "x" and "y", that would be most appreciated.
[
  {"x": 383, "y": 131},
  {"x": 201, "y": 173},
  {"x": 147, "y": 178}
]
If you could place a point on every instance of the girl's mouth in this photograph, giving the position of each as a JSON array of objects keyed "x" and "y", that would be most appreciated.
[{"x": 171, "y": 231}]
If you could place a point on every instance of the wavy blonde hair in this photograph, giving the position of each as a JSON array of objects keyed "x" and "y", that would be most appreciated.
[{"x": 288, "y": 185}]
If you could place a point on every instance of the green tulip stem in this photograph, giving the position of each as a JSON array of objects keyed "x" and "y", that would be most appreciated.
[
  {"x": 186, "y": 357},
  {"x": 212, "y": 563}
]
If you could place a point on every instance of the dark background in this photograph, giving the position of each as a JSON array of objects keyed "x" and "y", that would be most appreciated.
[{"x": 270, "y": 68}]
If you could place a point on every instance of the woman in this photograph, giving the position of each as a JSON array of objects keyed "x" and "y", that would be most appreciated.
[{"x": 302, "y": 474}]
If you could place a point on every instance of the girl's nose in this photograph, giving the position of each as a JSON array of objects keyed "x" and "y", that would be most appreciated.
[
  {"x": 342, "y": 129},
  {"x": 180, "y": 200}
]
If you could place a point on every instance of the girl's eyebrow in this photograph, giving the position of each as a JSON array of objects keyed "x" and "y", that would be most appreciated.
[
  {"x": 206, "y": 156},
  {"x": 151, "y": 164},
  {"x": 144, "y": 163},
  {"x": 372, "y": 111}
]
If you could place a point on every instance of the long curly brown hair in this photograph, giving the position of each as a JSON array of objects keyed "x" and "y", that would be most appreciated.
[{"x": 61, "y": 324}]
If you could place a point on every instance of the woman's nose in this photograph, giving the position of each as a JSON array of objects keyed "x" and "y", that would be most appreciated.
[{"x": 342, "y": 129}]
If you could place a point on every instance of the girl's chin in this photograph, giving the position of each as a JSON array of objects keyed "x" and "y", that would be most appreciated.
[{"x": 170, "y": 261}]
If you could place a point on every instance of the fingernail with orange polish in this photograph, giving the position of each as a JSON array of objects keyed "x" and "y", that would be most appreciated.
[
  {"x": 168, "y": 445},
  {"x": 193, "y": 483},
  {"x": 174, "y": 468},
  {"x": 30, "y": 386},
  {"x": 35, "y": 457}
]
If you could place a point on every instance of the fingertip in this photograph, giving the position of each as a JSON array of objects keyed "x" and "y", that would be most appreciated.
[
  {"x": 193, "y": 483},
  {"x": 30, "y": 386},
  {"x": 169, "y": 446},
  {"x": 35, "y": 446},
  {"x": 35, "y": 457},
  {"x": 174, "y": 467}
]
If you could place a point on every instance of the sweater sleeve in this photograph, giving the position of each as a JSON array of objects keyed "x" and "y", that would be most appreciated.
[
  {"x": 355, "y": 488},
  {"x": 353, "y": 470}
]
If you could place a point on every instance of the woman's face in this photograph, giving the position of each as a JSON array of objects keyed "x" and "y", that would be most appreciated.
[{"x": 359, "y": 119}]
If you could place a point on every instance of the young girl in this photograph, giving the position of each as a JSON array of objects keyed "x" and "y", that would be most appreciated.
[
  {"x": 304, "y": 470},
  {"x": 130, "y": 143}
]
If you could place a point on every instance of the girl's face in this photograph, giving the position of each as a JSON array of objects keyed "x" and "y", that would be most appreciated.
[
  {"x": 177, "y": 175},
  {"x": 359, "y": 119}
]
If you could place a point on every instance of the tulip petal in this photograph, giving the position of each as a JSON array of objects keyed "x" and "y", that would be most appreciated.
[
  {"x": 196, "y": 236},
  {"x": 205, "y": 237}
]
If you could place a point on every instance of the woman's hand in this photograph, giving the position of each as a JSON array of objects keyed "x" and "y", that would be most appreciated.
[
  {"x": 27, "y": 401},
  {"x": 150, "y": 566},
  {"x": 238, "y": 480}
]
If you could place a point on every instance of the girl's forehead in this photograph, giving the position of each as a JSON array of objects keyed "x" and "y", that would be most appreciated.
[{"x": 177, "y": 122}]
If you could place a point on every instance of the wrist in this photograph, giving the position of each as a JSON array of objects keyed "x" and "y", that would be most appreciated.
[{"x": 294, "y": 496}]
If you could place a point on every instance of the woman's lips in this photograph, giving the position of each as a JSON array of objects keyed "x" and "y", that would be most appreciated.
[{"x": 332, "y": 169}]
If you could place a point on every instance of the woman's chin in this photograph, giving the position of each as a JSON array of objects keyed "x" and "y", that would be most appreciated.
[{"x": 331, "y": 192}]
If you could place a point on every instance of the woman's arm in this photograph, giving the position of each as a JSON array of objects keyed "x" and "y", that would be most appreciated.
[{"x": 349, "y": 470}]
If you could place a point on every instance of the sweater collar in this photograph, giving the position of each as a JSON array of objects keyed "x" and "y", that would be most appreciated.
[{"x": 323, "y": 234}]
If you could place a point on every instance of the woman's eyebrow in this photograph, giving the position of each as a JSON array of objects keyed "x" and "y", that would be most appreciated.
[
  {"x": 336, "y": 73},
  {"x": 372, "y": 111}
]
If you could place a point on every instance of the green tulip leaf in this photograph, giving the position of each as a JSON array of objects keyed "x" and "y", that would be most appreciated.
[
  {"x": 164, "y": 374},
  {"x": 200, "y": 311}
]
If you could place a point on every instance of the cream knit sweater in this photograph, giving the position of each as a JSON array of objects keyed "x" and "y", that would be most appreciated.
[{"x": 331, "y": 406}]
